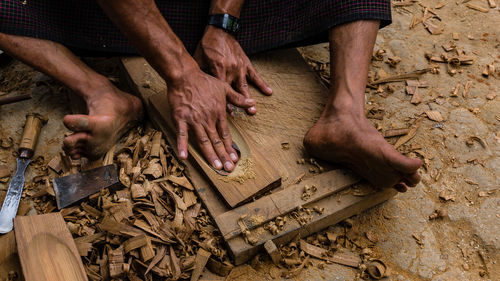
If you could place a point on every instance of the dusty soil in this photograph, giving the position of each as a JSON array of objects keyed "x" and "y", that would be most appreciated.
[{"x": 461, "y": 152}]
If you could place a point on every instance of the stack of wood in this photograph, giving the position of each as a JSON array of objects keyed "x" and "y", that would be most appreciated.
[{"x": 151, "y": 227}]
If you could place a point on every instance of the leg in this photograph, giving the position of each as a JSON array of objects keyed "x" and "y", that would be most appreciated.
[
  {"x": 111, "y": 111},
  {"x": 343, "y": 134}
]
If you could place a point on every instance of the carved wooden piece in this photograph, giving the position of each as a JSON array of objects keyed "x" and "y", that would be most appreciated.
[{"x": 46, "y": 249}]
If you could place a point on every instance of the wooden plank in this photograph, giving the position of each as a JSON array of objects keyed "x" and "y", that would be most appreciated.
[
  {"x": 297, "y": 101},
  {"x": 253, "y": 173},
  {"x": 336, "y": 208},
  {"x": 282, "y": 202},
  {"x": 47, "y": 250}
]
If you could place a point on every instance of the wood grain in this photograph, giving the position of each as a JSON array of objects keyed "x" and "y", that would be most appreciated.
[{"x": 46, "y": 249}]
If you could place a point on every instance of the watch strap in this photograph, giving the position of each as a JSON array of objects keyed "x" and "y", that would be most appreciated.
[{"x": 227, "y": 22}]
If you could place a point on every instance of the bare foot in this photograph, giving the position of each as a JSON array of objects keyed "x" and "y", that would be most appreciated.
[
  {"x": 352, "y": 141},
  {"x": 111, "y": 114}
]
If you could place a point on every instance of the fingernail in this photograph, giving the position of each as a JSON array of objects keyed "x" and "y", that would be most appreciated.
[
  {"x": 183, "y": 154},
  {"x": 249, "y": 101},
  {"x": 252, "y": 108},
  {"x": 269, "y": 89},
  {"x": 228, "y": 165},
  {"x": 233, "y": 157},
  {"x": 217, "y": 164}
]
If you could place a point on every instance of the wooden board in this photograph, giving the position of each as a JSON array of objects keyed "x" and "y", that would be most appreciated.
[
  {"x": 46, "y": 249},
  {"x": 9, "y": 260},
  {"x": 252, "y": 175},
  {"x": 282, "y": 202},
  {"x": 297, "y": 101}
]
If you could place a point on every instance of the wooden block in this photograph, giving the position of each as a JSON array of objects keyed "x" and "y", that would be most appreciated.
[
  {"x": 199, "y": 263},
  {"x": 47, "y": 250},
  {"x": 273, "y": 252},
  {"x": 336, "y": 209},
  {"x": 282, "y": 202}
]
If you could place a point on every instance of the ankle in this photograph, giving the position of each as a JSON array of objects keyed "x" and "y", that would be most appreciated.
[{"x": 345, "y": 105}]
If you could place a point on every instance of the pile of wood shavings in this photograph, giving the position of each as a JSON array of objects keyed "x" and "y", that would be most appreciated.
[{"x": 151, "y": 227}]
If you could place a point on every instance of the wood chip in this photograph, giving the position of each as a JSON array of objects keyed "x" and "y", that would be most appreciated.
[
  {"x": 404, "y": 139},
  {"x": 201, "y": 260},
  {"x": 455, "y": 36},
  {"x": 147, "y": 251},
  {"x": 134, "y": 243},
  {"x": 467, "y": 85},
  {"x": 434, "y": 115},
  {"x": 492, "y": 4},
  {"x": 416, "y": 98},
  {"x": 347, "y": 259},
  {"x": 433, "y": 28},
  {"x": 477, "y": 8},
  {"x": 4, "y": 171}
]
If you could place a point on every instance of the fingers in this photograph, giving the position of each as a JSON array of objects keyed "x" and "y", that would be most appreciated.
[
  {"x": 258, "y": 81},
  {"x": 223, "y": 129},
  {"x": 242, "y": 87},
  {"x": 220, "y": 149},
  {"x": 182, "y": 139},
  {"x": 237, "y": 99}
]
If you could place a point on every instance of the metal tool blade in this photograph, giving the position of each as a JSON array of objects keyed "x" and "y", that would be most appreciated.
[
  {"x": 13, "y": 196},
  {"x": 74, "y": 187}
]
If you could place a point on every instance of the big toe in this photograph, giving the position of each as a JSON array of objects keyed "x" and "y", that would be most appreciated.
[
  {"x": 77, "y": 122},
  {"x": 404, "y": 164}
]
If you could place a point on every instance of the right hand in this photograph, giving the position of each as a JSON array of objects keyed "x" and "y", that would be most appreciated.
[{"x": 198, "y": 102}]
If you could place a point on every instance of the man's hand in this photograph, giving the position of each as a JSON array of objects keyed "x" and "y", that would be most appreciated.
[
  {"x": 198, "y": 101},
  {"x": 222, "y": 56}
]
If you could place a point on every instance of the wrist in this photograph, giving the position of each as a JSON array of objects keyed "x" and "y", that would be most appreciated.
[{"x": 179, "y": 69}]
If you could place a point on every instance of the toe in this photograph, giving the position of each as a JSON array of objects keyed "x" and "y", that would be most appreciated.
[
  {"x": 404, "y": 164},
  {"x": 78, "y": 122},
  {"x": 412, "y": 180},
  {"x": 401, "y": 187}
]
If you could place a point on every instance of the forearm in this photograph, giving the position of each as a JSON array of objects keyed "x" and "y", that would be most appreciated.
[
  {"x": 232, "y": 7},
  {"x": 145, "y": 27}
]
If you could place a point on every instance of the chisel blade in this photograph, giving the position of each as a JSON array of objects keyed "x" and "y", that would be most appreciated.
[
  {"x": 74, "y": 187},
  {"x": 13, "y": 196}
]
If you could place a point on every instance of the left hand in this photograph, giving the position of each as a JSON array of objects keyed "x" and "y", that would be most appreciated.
[{"x": 222, "y": 56}]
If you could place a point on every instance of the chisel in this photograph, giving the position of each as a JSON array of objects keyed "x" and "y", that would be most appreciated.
[{"x": 34, "y": 123}]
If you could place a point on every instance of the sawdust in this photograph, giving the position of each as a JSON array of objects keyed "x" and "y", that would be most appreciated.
[{"x": 243, "y": 172}]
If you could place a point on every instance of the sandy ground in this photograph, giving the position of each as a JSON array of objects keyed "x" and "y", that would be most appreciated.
[{"x": 461, "y": 152}]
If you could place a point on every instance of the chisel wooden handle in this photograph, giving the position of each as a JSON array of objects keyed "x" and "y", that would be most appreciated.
[{"x": 32, "y": 127}]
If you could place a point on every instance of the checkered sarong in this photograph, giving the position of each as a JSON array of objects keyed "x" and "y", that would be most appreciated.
[{"x": 265, "y": 24}]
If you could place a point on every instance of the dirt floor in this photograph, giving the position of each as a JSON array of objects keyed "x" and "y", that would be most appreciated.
[{"x": 461, "y": 151}]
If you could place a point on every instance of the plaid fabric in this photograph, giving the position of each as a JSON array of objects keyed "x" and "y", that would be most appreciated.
[{"x": 265, "y": 24}]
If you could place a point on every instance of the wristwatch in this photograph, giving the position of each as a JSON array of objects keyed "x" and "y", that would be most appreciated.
[{"x": 227, "y": 22}]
